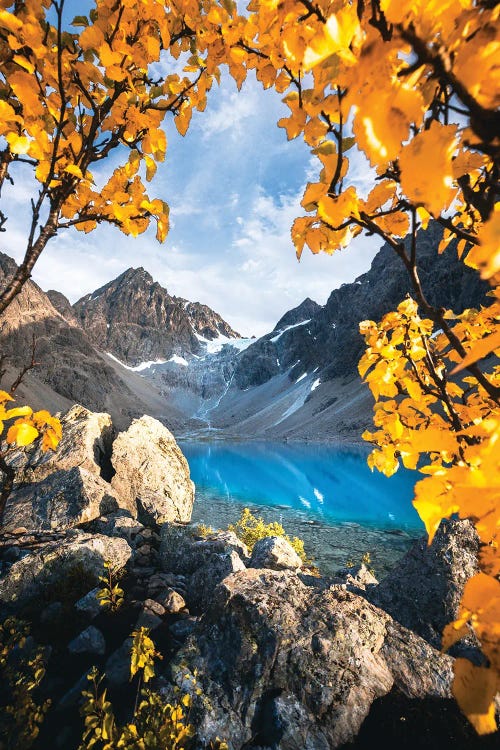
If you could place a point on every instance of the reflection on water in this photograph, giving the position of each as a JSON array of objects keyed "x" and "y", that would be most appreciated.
[{"x": 325, "y": 494}]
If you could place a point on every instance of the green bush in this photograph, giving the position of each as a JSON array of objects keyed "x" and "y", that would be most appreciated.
[{"x": 250, "y": 529}]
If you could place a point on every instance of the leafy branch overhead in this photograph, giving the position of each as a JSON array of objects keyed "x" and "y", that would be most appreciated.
[{"x": 70, "y": 99}]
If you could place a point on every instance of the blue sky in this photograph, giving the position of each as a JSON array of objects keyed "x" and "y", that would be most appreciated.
[{"x": 234, "y": 184}]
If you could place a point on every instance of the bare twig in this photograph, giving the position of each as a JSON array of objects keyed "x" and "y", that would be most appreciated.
[{"x": 31, "y": 364}]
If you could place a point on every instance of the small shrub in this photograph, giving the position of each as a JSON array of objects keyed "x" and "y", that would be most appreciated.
[
  {"x": 155, "y": 724},
  {"x": 250, "y": 529},
  {"x": 110, "y": 594},
  {"x": 204, "y": 530},
  {"x": 21, "y": 671}
]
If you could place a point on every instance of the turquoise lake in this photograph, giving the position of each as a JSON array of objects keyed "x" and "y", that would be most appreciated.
[{"x": 323, "y": 493}]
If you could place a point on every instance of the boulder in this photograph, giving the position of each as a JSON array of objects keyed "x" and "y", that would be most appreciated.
[
  {"x": 201, "y": 586},
  {"x": 357, "y": 578},
  {"x": 155, "y": 607},
  {"x": 182, "y": 553},
  {"x": 276, "y": 553},
  {"x": 66, "y": 498},
  {"x": 299, "y": 666},
  {"x": 77, "y": 555},
  {"x": 423, "y": 592},
  {"x": 89, "y": 641},
  {"x": 117, "y": 668},
  {"x": 86, "y": 442},
  {"x": 120, "y": 524},
  {"x": 152, "y": 470}
]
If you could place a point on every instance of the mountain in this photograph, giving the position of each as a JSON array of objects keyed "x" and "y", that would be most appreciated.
[
  {"x": 299, "y": 381},
  {"x": 137, "y": 320},
  {"x": 329, "y": 341},
  {"x": 70, "y": 368}
]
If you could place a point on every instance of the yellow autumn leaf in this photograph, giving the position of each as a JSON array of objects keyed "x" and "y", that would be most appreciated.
[
  {"x": 335, "y": 37},
  {"x": 19, "y": 144},
  {"x": 23, "y": 62},
  {"x": 479, "y": 350},
  {"x": 73, "y": 169},
  {"x": 486, "y": 255},
  {"x": 18, "y": 411},
  {"x": 22, "y": 434},
  {"x": 474, "y": 689},
  {"x": 431, "y": 188}
]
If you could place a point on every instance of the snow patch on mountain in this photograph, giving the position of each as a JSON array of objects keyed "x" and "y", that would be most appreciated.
[
  {"x": 289, "y": 328},
  {"x": 142, "y": 365},
  {"x": 214, "y": 346}
]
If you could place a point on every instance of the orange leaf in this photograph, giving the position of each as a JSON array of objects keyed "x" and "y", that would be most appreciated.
[
  {"x": 474, "y": 689},
  {"x": 480, "y": 349}
]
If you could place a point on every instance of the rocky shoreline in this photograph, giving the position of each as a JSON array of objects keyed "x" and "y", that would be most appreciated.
[{"x": 273, "y": 656}]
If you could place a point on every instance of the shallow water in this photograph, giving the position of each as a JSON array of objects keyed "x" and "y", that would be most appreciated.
[{"x": 323, "y": 493}]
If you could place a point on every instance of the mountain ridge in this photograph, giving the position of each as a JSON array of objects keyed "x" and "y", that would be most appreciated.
[{"x": 299, "y": 381}]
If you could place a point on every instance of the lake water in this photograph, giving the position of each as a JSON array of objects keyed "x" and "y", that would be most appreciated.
[{"x": 324, "y": 494}]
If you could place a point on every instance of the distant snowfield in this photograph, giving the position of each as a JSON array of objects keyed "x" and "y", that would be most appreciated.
[
  {"x": 215, "y": 345},
  {"x": 178, "y": 360},
  {"x": 141, "y": 365}
]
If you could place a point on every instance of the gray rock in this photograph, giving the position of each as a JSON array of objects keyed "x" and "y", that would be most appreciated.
[
  {"x": 423, "y": 592},
  {"x": 276, "y": 553},
  {"x": 62, "y": 500},
  {"x": 89, "y": 641},
  {"x": 224, "y": 541},
  {"x": 42, "y": 567},
  {"x": 159, "y": 581},
  {"x": 153, "y": 606},
  {"x": 275, "y": 655},
  {"x": 120, "y": 524},
  {"x": 89, "y": 604},
  {"x": 171, "y": 601},
  {"x": 183, "y": 628},
  {"x": 73, "y": 696},
  {"x": 204, "y": 580},
  {"x": 86, "y": 442},
  {"x": 181, "y": 553},
  {"x": 151, "y": 468},
  {"x": 118, "y": 665},
  {"x": 359, "y": 577},
  {"x": 148, "y": 619}
]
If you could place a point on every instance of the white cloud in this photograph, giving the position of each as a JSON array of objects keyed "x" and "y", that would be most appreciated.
[{"x": 231, "y": 114}]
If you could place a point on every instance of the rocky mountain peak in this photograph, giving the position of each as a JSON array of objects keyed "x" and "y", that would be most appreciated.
[
  {"x": 63, "y": 306},
  {"x": 136, "y": 320},
  {"x": 305, "y": 311}
]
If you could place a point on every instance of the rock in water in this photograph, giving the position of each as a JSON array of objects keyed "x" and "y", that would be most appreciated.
[
  {"x": 151, "y": 469},
  {"x": 276, "y": 553}
]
